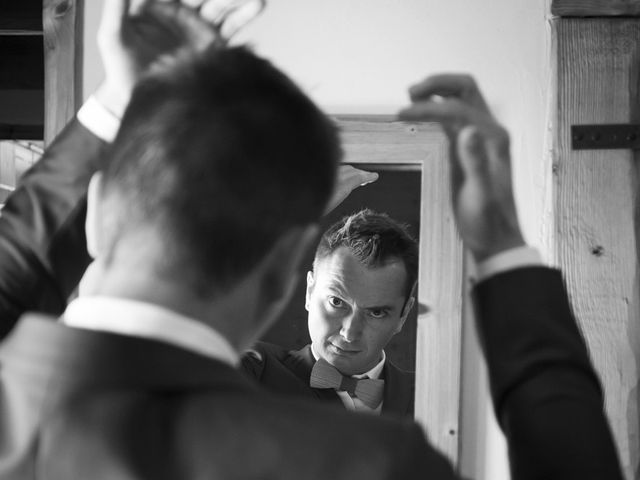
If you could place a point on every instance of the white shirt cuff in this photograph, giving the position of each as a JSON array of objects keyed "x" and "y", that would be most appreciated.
[
  {"x": 509, "y": 260},
  {"x": 98, "y": 120}
]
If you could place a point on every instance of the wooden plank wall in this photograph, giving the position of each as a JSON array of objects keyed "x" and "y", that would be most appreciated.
[
  {"x": 597, "y": 212},
  {"x": 382, "y": 140},
  {"x": 62, "y": 26},
  {"x": 595, "y": 8}
]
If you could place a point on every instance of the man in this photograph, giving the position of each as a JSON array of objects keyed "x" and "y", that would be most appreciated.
[
  {"x": 141, "y": 386},
  {"x": 358, "y": 297}
]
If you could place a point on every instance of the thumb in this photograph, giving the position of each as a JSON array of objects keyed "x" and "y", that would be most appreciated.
[{"x": 472, "y": 153}]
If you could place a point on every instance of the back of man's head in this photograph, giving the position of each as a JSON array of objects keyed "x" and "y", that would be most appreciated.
[
  {"x": 374, "y": 239},
  {"x": 218, "y": 156}
]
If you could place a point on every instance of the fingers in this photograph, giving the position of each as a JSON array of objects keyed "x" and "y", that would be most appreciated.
[
  {"x": 214, "y": 11},
  {"x": 348, "y": 179},
  {"x": 172, "y": 25},
  {"x": 368, "y": 177},
  {"x": 472, "y": 154},
  {"x": 349, "y": 175},
  {"x": 453, "y": 114},
  {"x": 198, "y": 32},
  {"x": 459, "y": 86},
  {"x": 237, "y": 18},
  {"x": 192, "y": 3},
  {"x": 229, "y": 15}
]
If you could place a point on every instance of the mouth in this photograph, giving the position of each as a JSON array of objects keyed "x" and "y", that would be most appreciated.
[{"x": 342, "y": 351}]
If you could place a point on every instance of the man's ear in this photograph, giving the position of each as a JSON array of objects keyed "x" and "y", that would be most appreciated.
[
  {"x": 310, "y": 282},
  {"x": 280, "y": 272},
  {"x": 91, "y": 224}
]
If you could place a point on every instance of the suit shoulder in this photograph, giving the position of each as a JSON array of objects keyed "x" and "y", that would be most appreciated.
[
  {"x": 257, "y": 357},
  {"x": 407, "y": 374},
  {"x": 262, "y": 351}
]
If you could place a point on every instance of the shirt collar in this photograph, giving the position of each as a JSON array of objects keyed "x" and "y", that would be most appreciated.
[
  {"x": 374, "y": 373},
  {"x": 140, "y": 319}
]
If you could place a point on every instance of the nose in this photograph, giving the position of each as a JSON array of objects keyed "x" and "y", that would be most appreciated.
[{"x": 351, "y": 327}]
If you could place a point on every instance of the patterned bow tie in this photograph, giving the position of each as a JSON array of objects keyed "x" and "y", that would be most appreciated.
[{"x": 325, "y": 375}]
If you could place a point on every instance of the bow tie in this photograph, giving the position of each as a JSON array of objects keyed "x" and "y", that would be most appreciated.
[{"x": 325, "y": 375}]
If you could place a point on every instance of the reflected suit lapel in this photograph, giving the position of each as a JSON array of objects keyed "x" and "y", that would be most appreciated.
[{"x": 398, "y": 390}]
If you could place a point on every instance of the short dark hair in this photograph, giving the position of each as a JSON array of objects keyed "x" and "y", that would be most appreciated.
[
  {"x": 374, "y": 239},
  {"x": 221, "y": 154}
]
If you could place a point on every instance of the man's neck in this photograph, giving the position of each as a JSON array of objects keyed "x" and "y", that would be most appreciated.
[
  {"x": 228, "y": 314},
  {"x": 152, "y": 322}
]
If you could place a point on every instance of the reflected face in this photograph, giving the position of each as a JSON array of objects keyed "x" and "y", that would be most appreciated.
[{"x": 354, "y": 310}]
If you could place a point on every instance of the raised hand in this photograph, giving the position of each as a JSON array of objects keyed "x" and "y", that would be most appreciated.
[
  {"x": 230, "y": 16},
  {"x": 135, "y": 34},
  {"x": 348, "y": 179},
  {"x": 481, "y": 184}
]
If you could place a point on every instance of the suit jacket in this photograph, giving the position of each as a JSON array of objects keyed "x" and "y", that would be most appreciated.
[
  {"x": 78, "y": 404},
  {"x": 42, "y": 239},
  {"x": 288, "y": 372},
  {"x": 82, "y": 404}
]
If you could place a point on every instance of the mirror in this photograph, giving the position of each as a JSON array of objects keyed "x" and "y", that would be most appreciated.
[
  {"x": 397, "y": 193},
  {"x": 414, "y": 188}
]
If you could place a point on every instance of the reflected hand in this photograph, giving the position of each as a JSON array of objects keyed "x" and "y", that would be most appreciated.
[
  {"x": 481, "y": 185},
  {"x": 135, "y": 34},
  {"x": 348, "y": 179}
]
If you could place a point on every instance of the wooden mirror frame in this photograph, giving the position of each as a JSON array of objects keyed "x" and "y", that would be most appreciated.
[{"x": 380, "y": 139}]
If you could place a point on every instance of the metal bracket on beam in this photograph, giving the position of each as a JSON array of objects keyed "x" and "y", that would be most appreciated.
[{"x": 598, "y": 137}]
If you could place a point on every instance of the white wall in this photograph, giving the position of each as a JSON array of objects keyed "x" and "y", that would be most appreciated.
[{"x": 359, "y": 56}]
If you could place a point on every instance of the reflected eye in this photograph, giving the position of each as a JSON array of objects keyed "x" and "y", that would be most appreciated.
[{"x": 336, "y": 302}]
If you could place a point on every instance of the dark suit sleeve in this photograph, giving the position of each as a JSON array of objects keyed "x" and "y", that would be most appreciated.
[
  {"x": 546, "y": 394},
  {"x": 42, "y": 240},
  {"x": 264, "y": 360}
]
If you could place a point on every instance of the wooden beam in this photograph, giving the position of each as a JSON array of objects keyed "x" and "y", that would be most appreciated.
[
  {"x": 62, "y": 22},
  {"x": 596, "y": 8},
  {"x": 597, "y": 211}
]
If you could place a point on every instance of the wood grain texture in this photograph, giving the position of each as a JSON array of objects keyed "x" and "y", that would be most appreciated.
[
  {"x": 596, "y": 210},
  {"x": 62, "y": 27},
  {"x": 595, "y": 8},
  {"x": 439, "y": 336}
]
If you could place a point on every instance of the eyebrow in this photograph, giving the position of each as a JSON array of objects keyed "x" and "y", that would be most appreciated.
[
  {"x": 380, "y": 307},
  {"x": 335, "y": 289}
]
